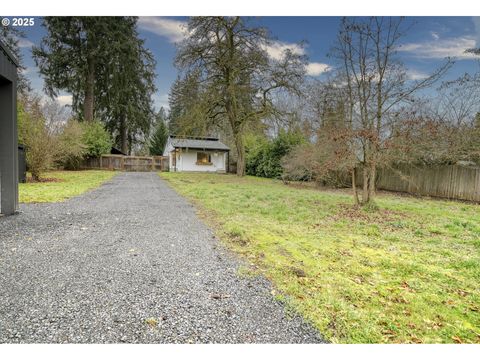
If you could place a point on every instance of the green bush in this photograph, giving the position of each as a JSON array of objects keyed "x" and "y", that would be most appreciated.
[
  {"x": 33, "y": 132},
  {"x": 71, "y": 145},
  {"x": 264, "y": 157},
  {"x": 96, "y": 139}
]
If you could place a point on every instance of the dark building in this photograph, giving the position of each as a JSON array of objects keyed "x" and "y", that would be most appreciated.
[{"x": 8, "y": 132}]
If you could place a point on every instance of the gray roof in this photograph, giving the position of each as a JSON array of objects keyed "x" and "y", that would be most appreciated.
[{"x": 207, "y": 144}]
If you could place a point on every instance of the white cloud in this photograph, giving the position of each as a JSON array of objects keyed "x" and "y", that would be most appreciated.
[
  {"x": 173, "y": 30},
  {"x": 24, "y": 43},
  {"x": 416, "y": 75},
  {"x": 315, "y": 68},
  {"x": 64, "y": 100},
  {"x": 441, "y": 48},
  {"x": 277, "y": 49},
  {"x": 435, "y": 35},
  {"x": 28, "y": 70}
]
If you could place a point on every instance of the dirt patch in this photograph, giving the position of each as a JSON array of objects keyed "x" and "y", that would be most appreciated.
[{"x": 357, "y": 213}]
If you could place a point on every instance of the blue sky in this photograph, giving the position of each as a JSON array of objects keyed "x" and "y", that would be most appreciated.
[{"x": 428, "y": 42}]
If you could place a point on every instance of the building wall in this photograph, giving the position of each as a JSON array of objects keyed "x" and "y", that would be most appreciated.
[
  {"x": 186, "y": 161},
  {"x": 8, "y": 133}
]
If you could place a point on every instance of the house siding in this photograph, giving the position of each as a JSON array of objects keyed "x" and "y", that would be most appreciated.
[{"x": 186, "y": 161}]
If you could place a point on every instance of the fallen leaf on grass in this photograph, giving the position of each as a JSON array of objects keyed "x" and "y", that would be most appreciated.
[
  {"x": 298, "y": 272},
  {"x": 358, "y": 280},
  {"x": 400, "y": 300},
  {"x": 416, "y": 340},
  {"x": 457, "y": 339},
  {"x": 388, "y": 333},
  {"x": 449, "y": 302},
  {"x": 406, "y": 286}
]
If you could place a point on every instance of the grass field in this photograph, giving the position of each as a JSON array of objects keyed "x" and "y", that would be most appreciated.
[
  {"x": 406, "y": 273},
  {"x": 66, "y": 185}
]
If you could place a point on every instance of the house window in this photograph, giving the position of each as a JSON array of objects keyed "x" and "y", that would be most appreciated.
[{"x": 204, "y": 158}]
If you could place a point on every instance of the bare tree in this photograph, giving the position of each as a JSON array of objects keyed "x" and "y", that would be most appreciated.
[
  {"x": 55, "y": 114},
  {"x": 40, "y": 140},
  {"x": 328, "y": 157},
  {"x": 377, "y": 88},
  {"x": 237, "y": 77}
]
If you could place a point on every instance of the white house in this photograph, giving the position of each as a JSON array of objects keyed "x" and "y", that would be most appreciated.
[{"x": 196, "y": 154}]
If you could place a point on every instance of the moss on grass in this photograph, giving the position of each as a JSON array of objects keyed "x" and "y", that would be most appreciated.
[{"x": 405, "y": 273}]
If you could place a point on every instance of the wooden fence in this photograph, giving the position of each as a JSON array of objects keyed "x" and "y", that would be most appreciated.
[
  {"x": 128, "y": 163},
  {"x": 446, "y": 181}
]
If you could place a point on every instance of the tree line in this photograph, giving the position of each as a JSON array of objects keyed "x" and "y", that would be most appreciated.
[
  {"x": 104, "y": 65},
  {"x": 364, "y": 115}
]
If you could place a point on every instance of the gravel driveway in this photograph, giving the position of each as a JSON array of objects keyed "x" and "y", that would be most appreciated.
[{"x": 130, "y": 262}]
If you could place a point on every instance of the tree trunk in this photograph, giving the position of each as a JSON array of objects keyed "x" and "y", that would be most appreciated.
[
  {"x": 373, "y": 175},
  {"x": 354, "y": 186},
  {"x": 129, "y": 143},
  {"x": 366, "y": 184},
  {"x": 88, "y": 104},
  {"x": 35, "y": 175},
  {"x": 123, "y": 135},
  {"x": 240, "y": 155}
]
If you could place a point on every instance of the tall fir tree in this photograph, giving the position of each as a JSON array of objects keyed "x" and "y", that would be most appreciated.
[
  {"x": 160, "y": 134},
  {"x": 103, "y": 63},
  {"x": 127, "y": 105},
  {"x": 70, "y": 58},
  {"x": 12, "y": 38},
  {"x": 186, "y": 101}
]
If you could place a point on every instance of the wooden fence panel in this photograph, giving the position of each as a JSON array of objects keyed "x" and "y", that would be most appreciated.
[
  {"x": 446, "y": 181},
  {"x": 128, "y": 163},
  {"x": 160, "y": 163}
]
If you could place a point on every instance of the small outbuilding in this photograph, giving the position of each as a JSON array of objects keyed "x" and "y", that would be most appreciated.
[
  {"x": 8, "y": 132},
  {"x": 196, "y": 154}
]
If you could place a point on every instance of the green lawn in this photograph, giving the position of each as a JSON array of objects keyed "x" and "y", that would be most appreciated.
[
  {"x": 68, "y": 184},
  {"x": 409, "y": 272}
]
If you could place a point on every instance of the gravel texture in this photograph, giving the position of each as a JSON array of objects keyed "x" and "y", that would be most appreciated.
[{"x": 130, "y": 262}]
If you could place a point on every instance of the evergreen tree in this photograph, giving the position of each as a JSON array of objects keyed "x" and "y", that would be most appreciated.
[
  {"x": 160, "y": 135},
  {"x": 103, "y": 63},
  {"x": 127, "y": 105},
  {"x": 70, "y": 58},
  {"x": 11, "y": 37},
  {"x": 187, "y": 107}
]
